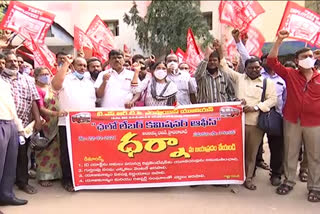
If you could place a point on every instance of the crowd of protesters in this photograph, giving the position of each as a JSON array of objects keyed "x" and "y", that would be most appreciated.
[{"x": 28, "y": 94}]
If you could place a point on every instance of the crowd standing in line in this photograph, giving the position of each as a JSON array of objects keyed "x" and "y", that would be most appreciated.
[{"x": 293, "y": 89}]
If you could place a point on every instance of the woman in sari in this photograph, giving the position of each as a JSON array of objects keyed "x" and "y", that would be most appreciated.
[
  {"x": 156, "y": 90},
  {"x": 48, "y": 160}
]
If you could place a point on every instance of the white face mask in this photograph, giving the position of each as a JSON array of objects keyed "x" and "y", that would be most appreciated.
[
  {"x": 160, "y": 74},
  {"x": 173, "y": 65},
  {"x": 307, "y": 63},
  {"x": 184, "y": 70},
  {"x": 10, "y": 72}
]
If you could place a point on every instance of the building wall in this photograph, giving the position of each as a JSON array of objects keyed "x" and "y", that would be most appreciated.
[{"x": 81, "y": 13}]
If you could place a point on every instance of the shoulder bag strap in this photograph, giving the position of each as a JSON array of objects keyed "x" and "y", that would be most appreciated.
[{"x": 264, "y": 87}]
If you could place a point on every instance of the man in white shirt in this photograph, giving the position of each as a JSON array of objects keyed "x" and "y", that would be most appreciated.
[
  {"x": 186, "y": 89},
  {"x": 77, "y": 93},
  {"x": 114, "y": 85},
  {"x": 10, "y": 124}
]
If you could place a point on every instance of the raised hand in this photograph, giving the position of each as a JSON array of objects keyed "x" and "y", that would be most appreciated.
[
  {"x": 236, "y": 35},
  {"x": 136, "y": 67},
  {"x": 106, "y": 77},
  {"x": 282, "y": 34},
  {"x": 208, "y": 52}
]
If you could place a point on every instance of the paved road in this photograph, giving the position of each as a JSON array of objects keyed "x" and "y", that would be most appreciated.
[{"x": 182, "y": 200}]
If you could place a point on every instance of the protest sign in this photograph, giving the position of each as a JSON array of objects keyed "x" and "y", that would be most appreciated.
[
  {"x": 157, "y": 147},
  {"x": 28, "y": 21},
  {"x": 303, "y": 24},
  {"x": 239, "y": 14}
]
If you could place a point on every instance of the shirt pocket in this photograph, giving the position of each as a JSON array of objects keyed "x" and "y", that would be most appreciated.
[
  {"x": 254, "y": 91},
  {"x": 126, "y": 84}
]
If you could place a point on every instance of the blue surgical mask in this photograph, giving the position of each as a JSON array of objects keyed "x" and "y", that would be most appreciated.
[
  {"x": 78, "y": 75},
  {"x": 45, "y": 79}
]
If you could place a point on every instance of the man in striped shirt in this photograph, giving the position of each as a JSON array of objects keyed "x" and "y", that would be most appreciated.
[{"x": 213, "y": 85}]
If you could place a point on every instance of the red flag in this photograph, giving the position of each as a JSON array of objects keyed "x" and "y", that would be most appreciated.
[
  {"x": 30, "y": 56},
  {"x": 28, "y": 21},
  {"x": 255, "y": 41},
  {"x": 239, "y": 14},
  {"x": 181, "y": 55},
  {"x": 193, "y": 56},
  {"x": 101, "y": 37},
  {"x": 126, "y": 49},
  {"x": 81, "y": 40},
  {"x": 43, "y": 56},
  {"x": 303, "y": 24},
  {"x": 231, "y": 48}
]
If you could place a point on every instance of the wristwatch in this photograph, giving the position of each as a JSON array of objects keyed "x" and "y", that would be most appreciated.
[{"x": 256, "y": 108}]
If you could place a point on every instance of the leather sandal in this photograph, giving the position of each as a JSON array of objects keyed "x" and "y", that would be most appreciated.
[
  {"x": 249, "y": 184},
  {"x": 303, "y": 175},
  {"x": 28, "y": 189},
  {"x": 284, "y": 189},
  {"x": 68, "y": 187},
  {"x": 45, "y": 183},
  {"x": 314, "y": 196}
]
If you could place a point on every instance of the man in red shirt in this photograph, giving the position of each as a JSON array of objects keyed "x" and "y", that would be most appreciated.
[{"x": 301, "y": 116}]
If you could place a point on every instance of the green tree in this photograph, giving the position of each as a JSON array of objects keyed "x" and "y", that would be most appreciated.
[
  {"x": 313, "y": 5},
  {"x": 166, "y": 24}
]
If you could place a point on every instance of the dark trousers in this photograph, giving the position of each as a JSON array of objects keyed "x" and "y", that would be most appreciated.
[
  {"x": 22, "y": 165},
  {"x": 64, "y": 156},
  {"x": 276, "y": 145},
  {"x": 260, "y": 152},
  {"x": 8, "y": 158}
]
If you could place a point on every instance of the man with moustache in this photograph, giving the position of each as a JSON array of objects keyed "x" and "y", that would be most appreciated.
[
  {"x": 25, "y": 95},
  {"x": 213, "y": 85}
]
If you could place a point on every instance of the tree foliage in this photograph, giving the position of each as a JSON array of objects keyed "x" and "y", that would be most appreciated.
[
  {"x": 166, "y": 24},
  {"x": 313, "y": 5}
]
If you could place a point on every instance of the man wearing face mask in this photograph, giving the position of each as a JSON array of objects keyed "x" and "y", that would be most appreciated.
[
  {"x": 76, "y": 92},
  {"x": 186, "y": 89},
  {"x": 213, "y": 85},
  {"x": 25, "y": 96},
  {"x": 114, "y": 85},
  {"x": 301, "y": 116}
]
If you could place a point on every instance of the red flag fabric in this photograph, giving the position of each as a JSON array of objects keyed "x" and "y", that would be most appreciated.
[
  {"x": 231, "y": 48},
  {"x": 30, "y": 56},
  {"x": 255, "y": 41},
  {"x": 101, "y": 37},
  {"x": 193, "y": 56},
  {"x": 126, "y": 49},
  {"x": 181, "y": 55},
  {"x": 303, "y": 24},
  {"x": 81, "y": 40},
  {"x": 43, "y": 56},
  {"x": 239, "y": 14},
  {"x": 28, "y": 21}
]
